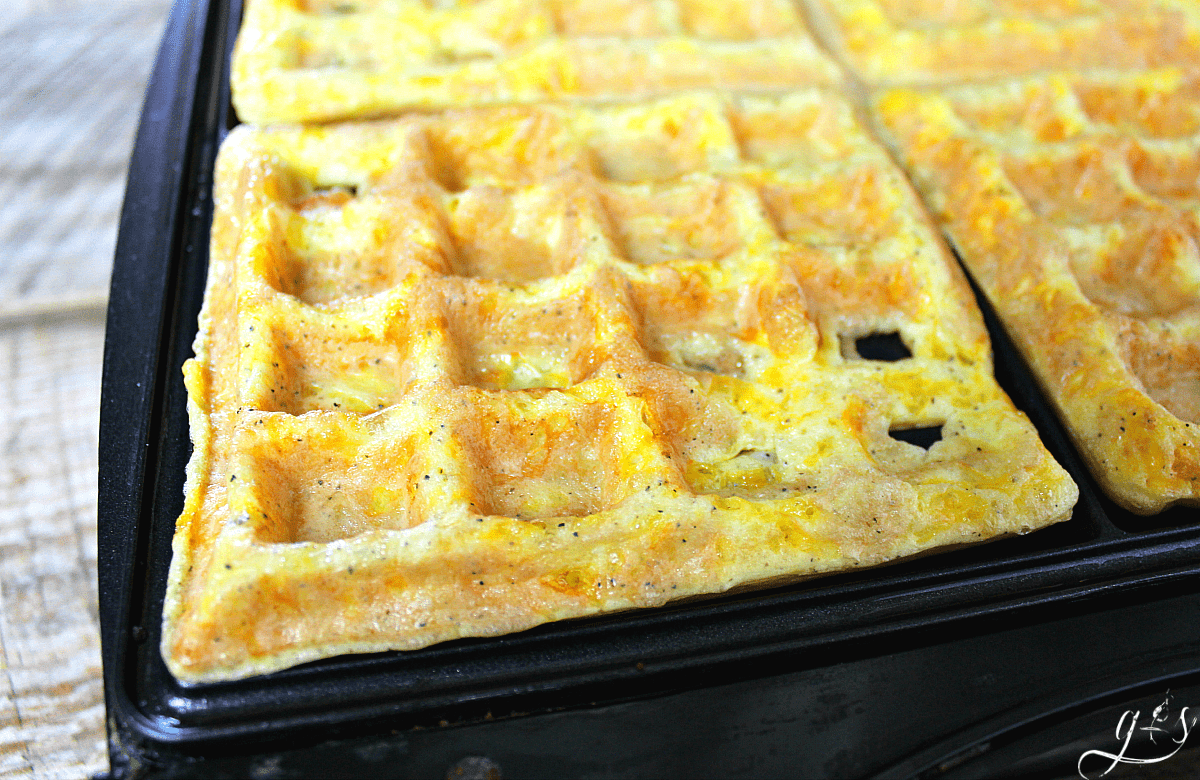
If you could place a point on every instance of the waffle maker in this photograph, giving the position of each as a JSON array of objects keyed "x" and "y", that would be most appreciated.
[{"x": 1051, "y": 655}]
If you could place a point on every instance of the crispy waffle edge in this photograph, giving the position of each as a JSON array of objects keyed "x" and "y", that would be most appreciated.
[{"x": 660, "y": 516}]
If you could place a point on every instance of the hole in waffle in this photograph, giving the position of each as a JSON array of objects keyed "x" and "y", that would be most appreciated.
[
  {"x": 923, "y": 436},
  {"x": 888, "y": 347},
  {"x": 544, "y": 456}
]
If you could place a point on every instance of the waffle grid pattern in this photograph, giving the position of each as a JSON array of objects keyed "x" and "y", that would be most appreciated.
[
  {"x": 490, "y": 368},
  {"x": 893, "y": 42},
  {"x": 300, "y": 61},
  {"x": 1080, "y": 190}
]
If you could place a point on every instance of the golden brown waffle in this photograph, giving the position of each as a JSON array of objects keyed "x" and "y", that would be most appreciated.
[
  {"x": 308, "y": 60},
  {"x": 464, "y": 373},
  {"x": 1075, "y": 202},
  {"x": 934, "y": 41}
]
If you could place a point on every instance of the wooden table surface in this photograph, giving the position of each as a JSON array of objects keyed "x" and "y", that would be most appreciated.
[{"x": 74, "y": 76}]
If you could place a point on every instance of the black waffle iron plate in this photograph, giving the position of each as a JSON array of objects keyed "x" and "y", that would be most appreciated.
[{"x": 1013, "y": 659}]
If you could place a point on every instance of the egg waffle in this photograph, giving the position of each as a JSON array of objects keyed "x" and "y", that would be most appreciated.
[
  {"x": 463, "y": 373},
  {"x": 307, "y": 60},
  {"x": 1074, "y": 200},
  {"x": 896, "y": 42}
]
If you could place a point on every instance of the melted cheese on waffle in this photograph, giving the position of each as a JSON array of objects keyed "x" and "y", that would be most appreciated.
[
  {"x": 319, "y": 61},
  {"x": 935, "y": 42},
  {"x": 1074, "y": 199},
  {"x": 462, "y": 373}
]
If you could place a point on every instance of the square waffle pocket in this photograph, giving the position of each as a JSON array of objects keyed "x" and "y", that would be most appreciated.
[
  {"x": 464, "y": 373},
  {"x": 924, "y": 42},
  {"x": 1074, "y": 199},
  {"x": 320, "y": 60}
]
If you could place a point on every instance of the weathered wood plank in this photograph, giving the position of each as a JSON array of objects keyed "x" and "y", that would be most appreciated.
[
  {"x": 74, "y": 83},
  {"x": 51, "y": 695},
  {"x": 74, "y": 75}
]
